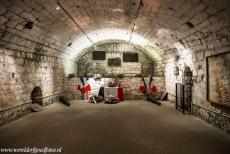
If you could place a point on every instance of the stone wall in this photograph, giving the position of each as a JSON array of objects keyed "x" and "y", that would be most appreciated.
[
  {"x": 131, "y": 87},
  {"x": 144, "y": 66},
  {"x": 193, "y": 53},
  {"x": 212, "y": 117},
  {"x": 172, "y": 61},
  {"x": 70, "y": 87},
  {"x": 14, "y": 113},
  {"x": 20, "y": 72},
  {"x": 130, "y": 84}
]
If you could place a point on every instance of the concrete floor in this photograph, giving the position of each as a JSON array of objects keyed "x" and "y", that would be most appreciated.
[{"x": 130, "y": 127}]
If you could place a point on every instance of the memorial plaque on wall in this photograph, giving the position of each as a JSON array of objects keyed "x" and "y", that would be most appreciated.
[
  {"x": 218, "y": 75},
  {"x": 114, "y": 62},
  {"x": 130, "y": 57},
  {"x": 98, "y": 55}
]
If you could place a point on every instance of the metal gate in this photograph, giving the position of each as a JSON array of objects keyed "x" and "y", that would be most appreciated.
[{"x": 183, "y": 100}]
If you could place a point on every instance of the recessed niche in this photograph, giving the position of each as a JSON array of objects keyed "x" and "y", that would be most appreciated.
[
  {"x": 36, "y": 95},
  {"x": 13, "y": 75},
  {"x": 176, "y": 70}
]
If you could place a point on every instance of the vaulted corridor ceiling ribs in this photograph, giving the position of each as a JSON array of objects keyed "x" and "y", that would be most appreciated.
[{"x": 164, "y": 24}]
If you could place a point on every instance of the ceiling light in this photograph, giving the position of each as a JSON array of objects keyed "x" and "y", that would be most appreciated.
[{"x": 117, "y": 10}]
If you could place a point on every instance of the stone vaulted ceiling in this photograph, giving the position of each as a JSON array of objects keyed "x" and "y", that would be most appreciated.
[{"x": 61, "y": 28}]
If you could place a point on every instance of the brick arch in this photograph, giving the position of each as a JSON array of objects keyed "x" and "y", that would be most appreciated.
[
  {"x": 110, "y": 41},
  {"x": 117, "y": 47},
  {"x": 81, "y": 44}
]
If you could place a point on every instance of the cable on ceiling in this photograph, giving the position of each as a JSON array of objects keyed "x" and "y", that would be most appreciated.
[
  {"x": 66, "y": 12},
  {"x": 141, "y": 4}
]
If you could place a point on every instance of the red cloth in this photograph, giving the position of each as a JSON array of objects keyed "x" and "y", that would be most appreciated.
[
  {"x": 153, "y": 89},
  {"x": 87, "y": 88},
  {"x": 142, "y": 89},
  {"x": 84, "y": 88},
  {"x": 120, "y": 94}
]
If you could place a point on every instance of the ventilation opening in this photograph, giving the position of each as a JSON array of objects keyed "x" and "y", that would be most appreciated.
[
  {"x": 36, "y": 96},
  {"x": 189, "y": 24},
  {"x": 29, "y": 25}
]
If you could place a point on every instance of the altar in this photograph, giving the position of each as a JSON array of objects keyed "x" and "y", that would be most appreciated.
[
  {"x": 115, "y": 92},
  {"x": 110, "y": 91}
]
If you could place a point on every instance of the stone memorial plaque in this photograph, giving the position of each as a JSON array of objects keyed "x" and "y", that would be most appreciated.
[
  {"x": 130, "y": 57},
  {"x": 98, "y": 55},
  {"x": 218, "y": 79},
  {"x": 114, "y": 62}
]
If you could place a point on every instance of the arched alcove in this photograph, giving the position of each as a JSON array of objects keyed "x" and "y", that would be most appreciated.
[
  {"x": 36, "y": 95},
  {"x": 144, "y": 63}
]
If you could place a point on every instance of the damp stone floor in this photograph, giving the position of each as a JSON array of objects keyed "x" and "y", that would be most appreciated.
[{"x": 130, "y": 127}]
